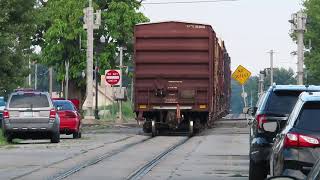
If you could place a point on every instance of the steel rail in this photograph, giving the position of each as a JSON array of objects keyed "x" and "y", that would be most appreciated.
[
  {"x": 68, "y": 158},
  {"x": 95, "y": 160},
  {"x": 145, "y": 169}
]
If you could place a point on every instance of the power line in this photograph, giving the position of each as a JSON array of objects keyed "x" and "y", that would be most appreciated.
[{"x": 188, "y": 2}]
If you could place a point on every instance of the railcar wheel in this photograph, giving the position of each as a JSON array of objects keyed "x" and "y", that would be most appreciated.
[
  {"x": 191, "y": 128},
  {"x": 154, "y": 129}
]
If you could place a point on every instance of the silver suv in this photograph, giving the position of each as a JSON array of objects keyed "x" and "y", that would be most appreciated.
[{"x": 30, "y": 115}]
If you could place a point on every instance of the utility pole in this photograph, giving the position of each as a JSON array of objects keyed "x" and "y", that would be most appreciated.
[
  {"x": 271, "y": 66},
  {"x": 298, "y": 22},
  {"x": 67, "y": 80},
  {"x": 132, "y": 90},
  {"x": 89, "y": 76},
  {"x": 35, "y": 76},
  {"x": 244, "y": 96},
  {"x": 96, "y": 110},
  {"x": 29, "y": 78},
  {"x": 50, "y": 81},
  {"x": 97, "y": 75},
  {"x": 261, "y": 80},
  {"x": 120, "y": 103},
  {"x": 251, "y": 100},
  {"x": 90, "y": 24}
]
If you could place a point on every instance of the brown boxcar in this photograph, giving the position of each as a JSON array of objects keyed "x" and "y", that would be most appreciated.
[{"x": 179, "y": 76}]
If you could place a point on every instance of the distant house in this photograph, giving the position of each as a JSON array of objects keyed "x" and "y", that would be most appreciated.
[{"x": 105, "y": 95}]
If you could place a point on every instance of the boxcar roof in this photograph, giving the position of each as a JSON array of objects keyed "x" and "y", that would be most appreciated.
[{"x": 159, "y": 22}]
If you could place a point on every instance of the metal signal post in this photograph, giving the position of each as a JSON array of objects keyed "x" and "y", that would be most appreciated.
[
  {"x": 91, "y": 23},
  {"x": 299, "y": 21}
]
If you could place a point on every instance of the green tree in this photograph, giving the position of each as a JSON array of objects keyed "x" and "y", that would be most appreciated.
[
  {"x": 251, "y": 88},
  {"x": 280, "y": 76},
  {"x": 61, "y": 29},
  {"x": 236, "y": 99},
  {"x": 16, "y": 29},
  {"x": 312, "y": 58}
]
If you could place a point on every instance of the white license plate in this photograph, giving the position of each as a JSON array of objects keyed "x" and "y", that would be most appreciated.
[
  {"x": 36, "y": 114},
  {"x": 27, "y": 114}
]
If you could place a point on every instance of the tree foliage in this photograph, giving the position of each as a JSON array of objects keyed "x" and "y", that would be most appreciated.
[
  {"x": 312, "y": 58},
  {"x": 61, "y": 30},
  {"x": 251, "y": 88},
  {"x": 16, "y": 29},
  {"x": 281, "y": 76}
]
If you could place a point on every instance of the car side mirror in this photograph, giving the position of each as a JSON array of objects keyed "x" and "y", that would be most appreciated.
[
  {"x": 282, "y": 178},
  {"x": 59, "y": 108},
  {"x": 250, "y": 110},
  {"x": 246, "y": 110}
]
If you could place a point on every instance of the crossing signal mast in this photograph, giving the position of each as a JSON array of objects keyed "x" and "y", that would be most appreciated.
[
  {"x": 298, "y": 25},
  {"x": 91, "y": 21}
]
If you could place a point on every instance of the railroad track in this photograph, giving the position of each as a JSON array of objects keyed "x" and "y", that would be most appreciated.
[
  {"x": 145, "y": 169},
  {"x": 96, "y": 160},
  {"x": 138, "y": 174},
  {"x": 68, "y": 158}
]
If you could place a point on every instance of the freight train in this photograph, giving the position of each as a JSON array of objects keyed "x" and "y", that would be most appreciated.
[{"x": 182, "y": 76}]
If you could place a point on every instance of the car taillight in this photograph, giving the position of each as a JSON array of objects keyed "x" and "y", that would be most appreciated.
[
  {"x": 70, "y": 114},
  {"x": 52, "y": 114},
  {"x": 291, "y": 140},
  {"x": 6, "y": 114},
  {"x": 299, "y": 140},
  {"x": 261, "y": 118}
]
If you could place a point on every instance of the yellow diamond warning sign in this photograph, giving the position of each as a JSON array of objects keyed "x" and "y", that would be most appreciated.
[{"x": 241, "y": 74}]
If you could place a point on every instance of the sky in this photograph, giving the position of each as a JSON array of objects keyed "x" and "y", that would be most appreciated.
[{"x": 250, "y": 28}]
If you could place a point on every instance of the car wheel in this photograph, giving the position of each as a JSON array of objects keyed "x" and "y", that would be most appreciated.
[
  {"x": 9, "y": 138},
  {"x": 257, "y": 171},
  {"x": 55, "y": 138},
  {"x": 76, "y": 135}
]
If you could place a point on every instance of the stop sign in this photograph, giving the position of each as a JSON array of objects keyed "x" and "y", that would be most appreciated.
[{"x": 112, "y": 77}]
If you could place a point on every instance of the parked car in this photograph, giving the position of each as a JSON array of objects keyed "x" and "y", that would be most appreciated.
[
  {"x": 313, "y": 175},
  {"x": 70, "y": 119},
  {"x": 2, "y": 105},
  {"x": 297, "y": 147},
  {"x": 276, "y": 105},
  {"x": 30, "y": 115},
  {"x": 75, "y": 102}
]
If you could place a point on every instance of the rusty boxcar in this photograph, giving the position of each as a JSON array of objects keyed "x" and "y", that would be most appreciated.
[{"x": 180, "y": 76}]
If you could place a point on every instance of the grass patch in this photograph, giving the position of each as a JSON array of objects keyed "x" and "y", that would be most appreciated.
[
  {"x": 2, "y": 139},
  {"x": 113, "y": 109},
  {"x": 10, "y": 147}
]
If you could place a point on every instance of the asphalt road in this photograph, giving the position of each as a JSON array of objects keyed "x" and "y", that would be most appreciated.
[{"x": 219, "y": 153}]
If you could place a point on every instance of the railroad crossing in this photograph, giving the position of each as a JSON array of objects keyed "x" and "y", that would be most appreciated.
[{"x": 126, "y": 153}]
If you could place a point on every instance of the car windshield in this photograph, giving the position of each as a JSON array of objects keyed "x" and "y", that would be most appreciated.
[
  {"x": 282, "y": 102},
  {"x": 29, "y": 100},
  {"x": 63, "y": 105},
  {"x": 308, "y": 118}
]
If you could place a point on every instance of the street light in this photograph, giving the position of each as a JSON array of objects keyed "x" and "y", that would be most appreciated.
[{"x": 102, "y": 41}]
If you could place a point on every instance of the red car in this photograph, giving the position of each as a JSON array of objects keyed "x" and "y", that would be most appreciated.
[{"x": 70, "y": 119}]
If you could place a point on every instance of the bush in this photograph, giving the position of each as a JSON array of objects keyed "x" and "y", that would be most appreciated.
[
  {"x": 127, "y": 111},
  {"x": 2, "y": 139}
]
